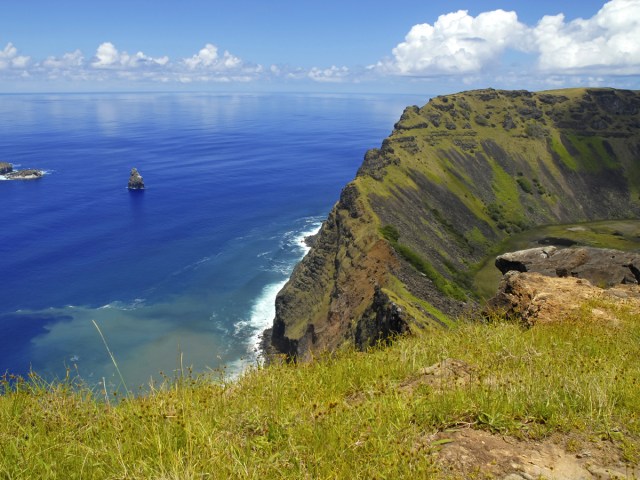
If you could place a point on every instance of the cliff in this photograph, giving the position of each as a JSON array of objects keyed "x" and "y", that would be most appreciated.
[{"x": 455, "y": 178}]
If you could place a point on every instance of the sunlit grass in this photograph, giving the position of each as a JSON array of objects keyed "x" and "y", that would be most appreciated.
[{"x": 348, "y": 415}]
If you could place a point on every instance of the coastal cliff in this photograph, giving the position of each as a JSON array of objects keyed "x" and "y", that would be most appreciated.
[{"x": 454, "y": 179}]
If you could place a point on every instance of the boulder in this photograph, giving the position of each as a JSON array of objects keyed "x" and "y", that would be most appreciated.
[
  {"x": 531, "y": 298},
  {"x": 5, "y": 168},
  {"x": 135, "y": 180},
  {"x": 601, "y": 266}
]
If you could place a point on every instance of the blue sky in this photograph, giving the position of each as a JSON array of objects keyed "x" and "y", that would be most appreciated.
[{"x": 284, "y": 45}]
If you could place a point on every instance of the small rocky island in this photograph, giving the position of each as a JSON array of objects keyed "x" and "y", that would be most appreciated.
[
  {"x": 6, "y": 169},
  {"x": 135, "y": 180}
]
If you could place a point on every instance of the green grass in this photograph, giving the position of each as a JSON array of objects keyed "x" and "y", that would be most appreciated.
[
  {"x": 566, "y": 158},
  {"x": 525, "y": 185},
  {"x": 450, "y": 289},
  {"x": 350, "y": 415}
]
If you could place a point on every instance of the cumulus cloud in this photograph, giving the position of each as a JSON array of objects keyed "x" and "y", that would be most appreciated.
[
  {"x": 9, "y": 58},
  {"x": 208, "y": 58},
  {"x": 458, "y": 43},
  {"x": 110, "y": 64},
  {"x": 610, "y": 40},
  {"x": 108, "y": 56}
]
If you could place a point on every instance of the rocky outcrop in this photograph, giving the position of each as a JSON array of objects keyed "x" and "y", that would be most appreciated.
[
  {"x": 6, "y": 169},
  {"x": 530, "y": 298},
  {"x": 601, "y": 266},
  {"x": 382, "y": 320},
  {"x": 455, "y": 178},
  {"x": 135, "y": 180},
  {"x": 30, "y": 174}
]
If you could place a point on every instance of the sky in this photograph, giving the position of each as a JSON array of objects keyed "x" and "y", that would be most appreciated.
[{"x": 412, "y": 46}]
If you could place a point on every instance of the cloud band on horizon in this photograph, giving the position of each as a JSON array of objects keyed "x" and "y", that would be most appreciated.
[{"x": 456, "y": 44}]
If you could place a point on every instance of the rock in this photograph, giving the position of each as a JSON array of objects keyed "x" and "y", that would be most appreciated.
[
  {"x": 601, "y": 266},
  {"x": 9, "y": 173},
  {"x": 522, "y": 260},
  {"x": 30, "y": 174},
  {"x": 438, "y": 187},
  {"x": 310, "y": 240},
  {"x": 508, "y": 123},
  {"x": 530, "y": 298},
  {"x": 135, "y": 180},
  {"x": 382, "y": 320}
]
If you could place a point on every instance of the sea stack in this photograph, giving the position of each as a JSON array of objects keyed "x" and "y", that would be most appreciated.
[{"x": 135, "y": 180}]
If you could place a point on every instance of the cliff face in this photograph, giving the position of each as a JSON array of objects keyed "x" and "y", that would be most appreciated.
[{"x": 454, "y": 178}]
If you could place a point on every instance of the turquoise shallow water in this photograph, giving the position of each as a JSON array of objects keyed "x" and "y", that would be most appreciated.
[{"x": 187, "y": 270}]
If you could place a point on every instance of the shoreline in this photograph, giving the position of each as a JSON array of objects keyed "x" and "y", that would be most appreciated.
[{"x": 261, "y": 341}]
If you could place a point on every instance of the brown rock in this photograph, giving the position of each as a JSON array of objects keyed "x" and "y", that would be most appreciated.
[
  {"x": 135, "y": 180},
  {"x": 530, "y": 298}
]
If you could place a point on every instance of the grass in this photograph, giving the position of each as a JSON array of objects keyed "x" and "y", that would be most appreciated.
[
  {"x": 348, "y": 415},
  {"x": 450, "y": 289}
]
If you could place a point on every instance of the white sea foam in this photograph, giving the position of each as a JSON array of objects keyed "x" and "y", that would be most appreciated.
[
  {"x": 118, "y": 305},
  {"x": 313, "y": 229},
  {"x": 263, "y": 310},
  {"x": 262, "y": 313}
]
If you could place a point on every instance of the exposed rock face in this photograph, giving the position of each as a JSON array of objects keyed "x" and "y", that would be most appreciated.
[
  {"x": 430, "y": 203},
  {"x": 30, "y": 174},
  {"x": 529, "y": 298},
  {"x": 604, "y": 267},
  {"x": 9, "y": 173},
  {"x": 135, "y": 180},
  {"x": 383, "y": 319}
]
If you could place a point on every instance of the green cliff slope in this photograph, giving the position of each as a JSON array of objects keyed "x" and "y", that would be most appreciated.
[{"x": 455, "y": 178}]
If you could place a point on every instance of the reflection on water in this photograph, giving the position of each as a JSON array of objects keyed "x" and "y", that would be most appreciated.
[{"x": 617, "y": 234}]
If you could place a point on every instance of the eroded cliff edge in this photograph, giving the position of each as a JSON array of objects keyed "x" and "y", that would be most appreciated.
[{"x": 454, "y": 179}]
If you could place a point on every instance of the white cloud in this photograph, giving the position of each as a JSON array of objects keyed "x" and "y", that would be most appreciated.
[
  {"x": 68, "y": 60},
  {"x": 456, "y": 43},
  {"x": 609, "y": 41},
  {"x": 9, "y": 58},
  {"x": 108, "y": 56},
  {"x": 209, "y": 58},
  {"x": 332, "y": 74}
]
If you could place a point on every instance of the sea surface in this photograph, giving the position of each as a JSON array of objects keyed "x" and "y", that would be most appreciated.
[{"x": 185, "y": 273}]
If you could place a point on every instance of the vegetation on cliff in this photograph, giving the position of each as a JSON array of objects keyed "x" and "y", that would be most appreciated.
[
  {"x": 390, "y": 413},
  {"x": 454, "y": 179}
]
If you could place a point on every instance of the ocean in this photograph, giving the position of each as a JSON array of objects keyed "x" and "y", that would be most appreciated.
[{"x": 184, "y": 273}]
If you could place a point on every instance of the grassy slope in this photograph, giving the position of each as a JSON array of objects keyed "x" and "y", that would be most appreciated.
[
  {"x": 351, "y": 415},
  {"x": 454, "y": 179},
  {"x": 546, "y": 172}
]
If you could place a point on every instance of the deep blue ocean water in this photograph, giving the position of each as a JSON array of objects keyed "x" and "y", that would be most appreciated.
[{"x": 187, "y": 271}]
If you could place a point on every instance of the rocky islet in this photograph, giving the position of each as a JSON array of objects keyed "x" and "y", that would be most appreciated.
[
  {"x": 6, "y": 170},
  {"x": 135, "y": 180}
]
